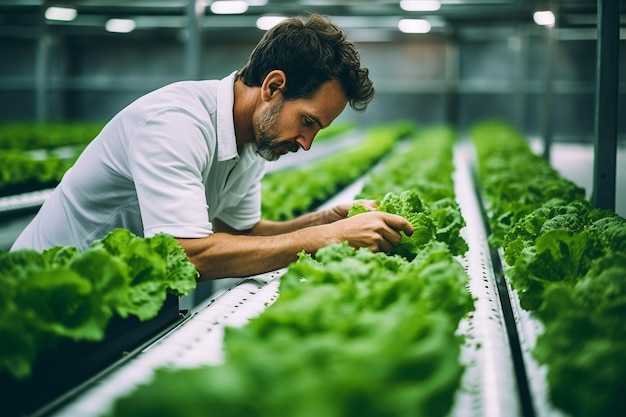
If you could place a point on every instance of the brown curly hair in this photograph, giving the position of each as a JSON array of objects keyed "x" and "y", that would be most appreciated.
[{"x": 310, "y": 50}]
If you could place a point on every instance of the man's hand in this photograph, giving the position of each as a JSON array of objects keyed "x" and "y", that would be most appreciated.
[
  {"x": 378, "y": 231},
  {"x": 340, "y": 211}
]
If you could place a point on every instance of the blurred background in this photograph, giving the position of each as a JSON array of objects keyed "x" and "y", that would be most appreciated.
[
  {"x": 68, "y": 66},
  {"x": 452, "y": 61}
]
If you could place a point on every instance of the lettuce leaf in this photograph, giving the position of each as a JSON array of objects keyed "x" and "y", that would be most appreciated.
[
  {"x": 64, "y": 292},
  {"x": 409, "y": 205}
]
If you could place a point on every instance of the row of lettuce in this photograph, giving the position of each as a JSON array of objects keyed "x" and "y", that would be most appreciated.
[
  {"x": 65, "y": 293},
  {"x": 35, "y": 156},
  {"x": 566, "y": 261},
  {"x": 353, "y": 332},
  {"x": 289, "y": 193}
]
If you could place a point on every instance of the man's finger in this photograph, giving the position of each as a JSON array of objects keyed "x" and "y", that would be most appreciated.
[{"x": 399, "y": 223}]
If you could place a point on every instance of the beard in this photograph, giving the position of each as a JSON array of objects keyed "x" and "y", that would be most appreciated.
[{"x": 266, "y": 135}]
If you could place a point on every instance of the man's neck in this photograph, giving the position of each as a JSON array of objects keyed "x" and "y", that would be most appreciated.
[{"x": 245, "y": 101}]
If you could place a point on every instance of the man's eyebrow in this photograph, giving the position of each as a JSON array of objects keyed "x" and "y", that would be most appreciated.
[{"x": 316, "y": 120}]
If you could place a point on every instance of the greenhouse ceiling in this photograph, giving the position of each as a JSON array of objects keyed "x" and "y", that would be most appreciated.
[{"x": 24, "y": 17}]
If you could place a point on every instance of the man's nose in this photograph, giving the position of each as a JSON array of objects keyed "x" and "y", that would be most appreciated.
[{"x": 305, "y": 141}]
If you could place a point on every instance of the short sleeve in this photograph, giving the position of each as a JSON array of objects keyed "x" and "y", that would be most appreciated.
[
  {"x": 167, "y": 157},
  {"x": 246, "y": 212}
]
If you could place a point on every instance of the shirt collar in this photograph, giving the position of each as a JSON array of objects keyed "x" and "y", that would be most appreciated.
[{"x": 227, "y": 148}]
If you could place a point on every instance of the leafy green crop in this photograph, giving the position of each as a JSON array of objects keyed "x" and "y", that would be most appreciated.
[
  {"x": 22, "y": 172},
  {"x": 67, "y": 293},
  {"x": 585, "y": 340},
  {"x": 289, "y": 193},
  {"x": 567, "y": 262},
  {"x": 30, "y": 157},
  {"x": 424, "y": 165},
  {"x": 514, "y": 180},
  {"x": 34, "y": 135},
  {"x": 408, "y": 205},
  {"x": 352, "y": 333}
]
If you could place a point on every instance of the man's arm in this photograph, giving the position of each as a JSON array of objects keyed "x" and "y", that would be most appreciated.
[
  {"x": 316, "y": 218},
  {"x": 272, "y": 228},
  {"x": 222, "y": 255}
]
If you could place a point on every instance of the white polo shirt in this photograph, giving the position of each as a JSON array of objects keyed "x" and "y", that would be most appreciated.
[{"x": 168, "y": 162}]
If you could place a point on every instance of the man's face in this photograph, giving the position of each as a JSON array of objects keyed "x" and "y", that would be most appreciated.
[
  {"x": 288, "y": 125},
  {"x": 266, "y": 132}
]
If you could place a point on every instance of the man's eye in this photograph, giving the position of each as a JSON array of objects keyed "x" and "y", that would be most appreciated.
[{"x": 308, "y": 121}]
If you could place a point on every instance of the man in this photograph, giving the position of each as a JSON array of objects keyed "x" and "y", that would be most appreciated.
[{"x": 188, "y": 159}]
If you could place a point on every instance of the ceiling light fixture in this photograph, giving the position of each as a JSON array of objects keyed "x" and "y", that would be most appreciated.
[
  {"x": 544, "y": 18},
  {"x": 120, "y": 25},
  {"x": 414, "y": 26},
  {"x": 229, "y": 7},
  {"x": 200, "y": 6},
  {"x": 65, "y": 14},
  {"x": 420, "y": 5},
  {"x": 268, "y": 22}
]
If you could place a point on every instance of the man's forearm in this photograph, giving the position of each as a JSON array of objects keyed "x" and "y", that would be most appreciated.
[
  {"x": 273, "y": 245},
  {"x": 223, "y": 255},
  {"x": 270, "y": 228}
]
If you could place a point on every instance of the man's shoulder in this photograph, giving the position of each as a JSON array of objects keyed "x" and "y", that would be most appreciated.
[
  {"x": 194, "y": 98},
  {"x": 190, "y": 88}
]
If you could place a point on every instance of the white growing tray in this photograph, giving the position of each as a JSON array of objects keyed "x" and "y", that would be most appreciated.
[
  {"x": 528, "y": 329},
  {"x": 489, "y": 387}
]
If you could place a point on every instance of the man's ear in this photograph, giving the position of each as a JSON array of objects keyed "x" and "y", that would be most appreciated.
[{"x": 273, "y": 84}]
